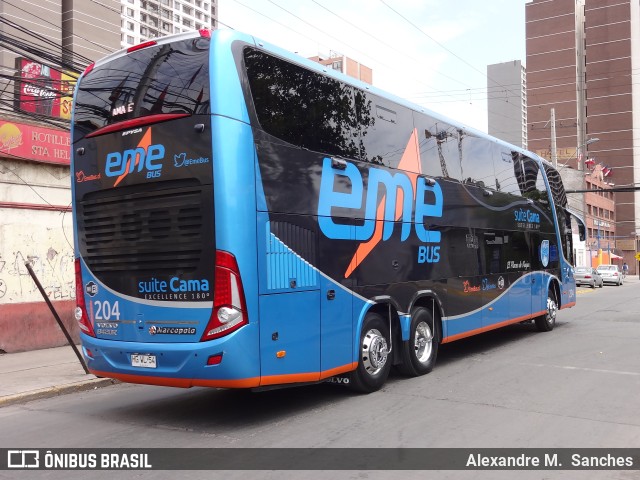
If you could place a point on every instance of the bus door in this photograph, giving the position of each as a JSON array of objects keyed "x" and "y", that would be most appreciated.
[
  {"x": 544, "y": 256},
  {"x": 289, "y": 300},
  {"x": 519, "y": 267},
  {"x": 568, "y": 223},
  {"x": 336, "y": 326},
  {"x": 495, "y": 297}
]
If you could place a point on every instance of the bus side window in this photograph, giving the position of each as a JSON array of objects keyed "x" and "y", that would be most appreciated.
[
  {"x": 302, "y": 107},
  {"x": 494, "y": 242},
  {"x": 385, "y": 129},
  {"x": 477, "y": 160},
  {"x": 531, "y": 182},
  {"x": 564, "y": 218},
  {"x": 505, "y": 163},
  {"x": 438, "y": 147}
]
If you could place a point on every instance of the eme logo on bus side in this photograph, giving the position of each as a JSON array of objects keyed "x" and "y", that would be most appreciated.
[
  {"x": 136, "y": 159},
  {"x": 415, "y": 209}
]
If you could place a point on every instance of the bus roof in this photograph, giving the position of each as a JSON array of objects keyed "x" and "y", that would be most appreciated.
[{"x": 230, "y": 36}]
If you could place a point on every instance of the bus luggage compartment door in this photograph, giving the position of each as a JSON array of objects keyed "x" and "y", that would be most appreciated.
[{"x": 290, "y": 337}]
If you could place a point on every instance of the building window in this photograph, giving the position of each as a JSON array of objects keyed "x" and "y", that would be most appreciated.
[
  {"x": 130, "y": 39},
  {"x": 130, "y": 26},
  {"x": 187, "y": 10},
  {"x": 130, "y": 12},
  {"x": 143, "y": 31},
  {"x": 166, "y": 26}
]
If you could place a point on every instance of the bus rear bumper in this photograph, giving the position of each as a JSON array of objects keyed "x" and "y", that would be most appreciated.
[{"x": 176, "y": 364}]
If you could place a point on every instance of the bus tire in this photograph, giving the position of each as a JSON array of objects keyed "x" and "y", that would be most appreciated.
[
  {"x": 546, "y": 322},
  {"x": 419, "y": 353},
  {"x": 374, "y": 362}
]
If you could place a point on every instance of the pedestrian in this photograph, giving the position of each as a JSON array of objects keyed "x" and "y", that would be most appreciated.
[{"x": 625, "y": 269}]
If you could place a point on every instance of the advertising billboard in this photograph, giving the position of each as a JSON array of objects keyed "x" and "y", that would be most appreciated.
[{"x": 43, "y": 90}]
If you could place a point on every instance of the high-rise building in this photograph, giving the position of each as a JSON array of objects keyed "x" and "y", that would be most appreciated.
[
  {"x": 145, "y": 19},
  {"x": 583, "y": 61},
  {"x": 507, "y": 102}
]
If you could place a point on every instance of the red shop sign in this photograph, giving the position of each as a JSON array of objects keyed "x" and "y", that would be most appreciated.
[{"x": 26, "y": 142}]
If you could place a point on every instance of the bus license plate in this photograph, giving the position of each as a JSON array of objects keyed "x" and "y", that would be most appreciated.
[{"x": 144, "y": 361}]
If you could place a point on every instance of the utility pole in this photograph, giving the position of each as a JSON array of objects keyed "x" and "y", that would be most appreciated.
[{"x": 554, "y": 151}]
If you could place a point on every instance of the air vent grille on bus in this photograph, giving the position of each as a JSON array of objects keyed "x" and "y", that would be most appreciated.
[{"x": 158, "y": 231}]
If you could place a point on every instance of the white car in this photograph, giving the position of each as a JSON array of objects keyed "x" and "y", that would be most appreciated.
[{"x": 610, "y": 274}]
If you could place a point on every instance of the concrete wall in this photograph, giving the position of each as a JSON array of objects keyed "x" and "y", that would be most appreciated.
[{"x": 35, "y": 227}]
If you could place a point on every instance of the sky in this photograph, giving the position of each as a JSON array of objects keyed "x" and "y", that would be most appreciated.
[{"x": 431, "y": 52}]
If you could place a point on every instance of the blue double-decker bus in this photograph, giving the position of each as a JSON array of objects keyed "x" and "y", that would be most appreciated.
[{"x": 246, "y": 218}]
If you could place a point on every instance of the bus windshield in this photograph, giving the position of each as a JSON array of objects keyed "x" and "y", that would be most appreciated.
[{"x": 162, "y": 79}]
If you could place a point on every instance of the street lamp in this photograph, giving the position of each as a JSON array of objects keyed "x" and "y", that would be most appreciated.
[{"x": 588, "y": 142}]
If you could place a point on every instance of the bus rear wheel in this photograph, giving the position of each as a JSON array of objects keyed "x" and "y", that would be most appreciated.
[
  {"x": 546, "y": 322},
  {"x": 374, "y": 362},
  {"x": 419, "y": 353}
]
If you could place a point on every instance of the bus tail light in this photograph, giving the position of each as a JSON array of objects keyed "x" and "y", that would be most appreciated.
[
  {"x": 81, "y": 307},
  {"x": 229, "y": 308},
  {"x": 88, "y": 69},
  {"x": 140, "y": 46}
]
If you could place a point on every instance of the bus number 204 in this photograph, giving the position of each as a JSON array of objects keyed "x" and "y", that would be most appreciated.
[{"x": 107, "y": 310}]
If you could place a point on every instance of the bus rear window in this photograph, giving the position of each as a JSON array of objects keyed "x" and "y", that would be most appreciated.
[{"x": 165, "y": 79}]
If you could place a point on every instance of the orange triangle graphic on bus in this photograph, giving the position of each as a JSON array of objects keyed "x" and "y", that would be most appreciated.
[
  {"x": 410, "y": 162},
  {"x": 145, "y": 141}
]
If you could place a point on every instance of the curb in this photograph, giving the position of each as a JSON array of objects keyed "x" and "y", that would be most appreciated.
[{"x": 55, "y": 391}]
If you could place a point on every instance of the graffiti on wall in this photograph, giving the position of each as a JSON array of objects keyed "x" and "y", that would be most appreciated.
[{"x": 50, "y": 258}]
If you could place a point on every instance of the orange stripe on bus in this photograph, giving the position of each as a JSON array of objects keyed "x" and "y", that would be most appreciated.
[
  {"x": 240, "y": 383},
  {"x": 307, "y": 377},
  {"x": 488, "y": 328},
  {"x": 179, "y": 382},
  {"x": 568, "y": 305}
]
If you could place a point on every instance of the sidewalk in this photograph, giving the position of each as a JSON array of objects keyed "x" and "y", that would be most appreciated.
[{"x": 27, "y": 376}]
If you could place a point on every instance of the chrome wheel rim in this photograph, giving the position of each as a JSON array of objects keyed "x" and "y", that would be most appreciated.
[
  {"x": 374, "y": 351},
  {"x": 423, "y": 342},
  {"x": 552, "y": 310}
]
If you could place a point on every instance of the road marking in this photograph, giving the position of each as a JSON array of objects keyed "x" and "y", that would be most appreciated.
[
  {"x": 594, "y": 370},
  {"x": 584, "y": 290}
]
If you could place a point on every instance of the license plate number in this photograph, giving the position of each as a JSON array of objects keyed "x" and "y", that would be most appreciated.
[{"x": 144, "y": 361}]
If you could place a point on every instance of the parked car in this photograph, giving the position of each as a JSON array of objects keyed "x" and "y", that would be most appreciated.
[
  {"x": 611, "y": 274},
  {"x": 588, "y": 276}
]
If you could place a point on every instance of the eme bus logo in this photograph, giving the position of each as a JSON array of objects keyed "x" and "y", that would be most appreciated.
[
  {"x": 149, "y": 159},
  {"x": 405, "y": 200}
]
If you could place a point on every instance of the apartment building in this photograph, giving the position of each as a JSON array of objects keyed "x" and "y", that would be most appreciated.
[
  {"x": 507, "y": 102},
  {"x": 145, "y": 19},
  {"x": 583, "y": 61}
]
